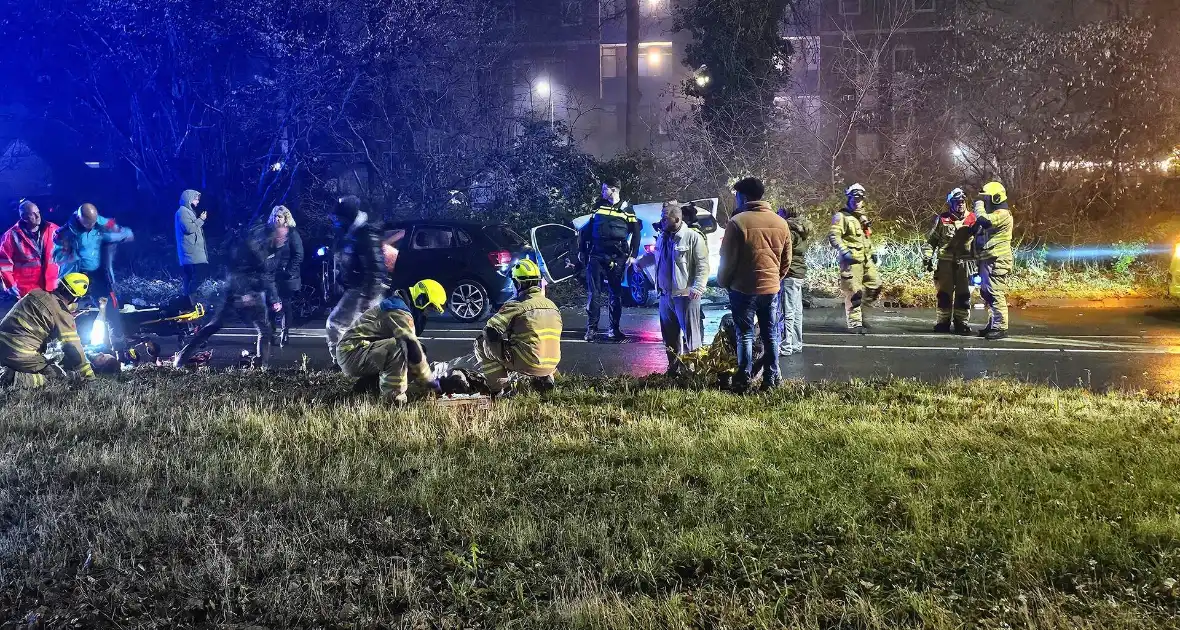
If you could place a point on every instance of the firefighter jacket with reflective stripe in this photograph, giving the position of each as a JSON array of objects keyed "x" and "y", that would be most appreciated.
[
  {"x": 612, "y": 232},
  {"x": 950, "y": 238},
  {"x": 529, "y": 326},
  {"x": 851, "y": 235},
  {"x": 26, "y": 259},
  {"x": 993, "y": 238},
  {"x": 38, "y": 318},
  {"x": 392, "y": 319}
]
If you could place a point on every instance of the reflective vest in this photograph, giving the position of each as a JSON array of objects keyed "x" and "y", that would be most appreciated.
[
  {"x": 530, "y": 325},
  {"x": 608, "y": 231},
  {"x": 26, "y": 261},
  {"x": 389, "y": 320}
]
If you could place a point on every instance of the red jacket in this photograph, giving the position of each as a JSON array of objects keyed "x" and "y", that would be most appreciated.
[{"x": 27, "y": 263}]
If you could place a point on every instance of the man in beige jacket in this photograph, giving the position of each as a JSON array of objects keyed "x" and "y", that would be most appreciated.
[
  {"x": 755, "y": 257},
  {"x": 681, "y": 263}
]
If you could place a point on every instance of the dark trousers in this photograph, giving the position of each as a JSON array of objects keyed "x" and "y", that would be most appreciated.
[
  {"x": 248, "y": 302},
  {"x": 192, "y": 277},
  {"x": 745, "y": 309},
  {"x": 609, "y": 271}
]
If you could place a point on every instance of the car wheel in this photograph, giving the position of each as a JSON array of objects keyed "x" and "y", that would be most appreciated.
[
  {"x": 469, "y": 301},
  {"x": 639, "y": 292}
]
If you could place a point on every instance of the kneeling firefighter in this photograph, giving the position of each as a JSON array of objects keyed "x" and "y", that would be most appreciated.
[
  {"x": 38, "y": 318},
  {"x": 524, "y": 337},
  {"x": 950, "y": 239},
  {"x": 382, "y": 344}
]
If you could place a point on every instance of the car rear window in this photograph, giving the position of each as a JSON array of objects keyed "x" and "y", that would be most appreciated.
[{"x": 503, "y": 236}]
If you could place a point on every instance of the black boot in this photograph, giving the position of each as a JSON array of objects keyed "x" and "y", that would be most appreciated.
[
  {"x": 942, "y": 327},
  {"x": 997, "y": 335},
  {"x": 961, "y": 328}
]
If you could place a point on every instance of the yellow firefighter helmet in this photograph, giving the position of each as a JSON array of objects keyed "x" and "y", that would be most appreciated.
[
  {"x": 76, "y": 284},
  {"x": 428, "y": 294}
]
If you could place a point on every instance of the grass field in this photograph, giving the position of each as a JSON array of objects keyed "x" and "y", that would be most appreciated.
[{"x": 278, "y": 501}]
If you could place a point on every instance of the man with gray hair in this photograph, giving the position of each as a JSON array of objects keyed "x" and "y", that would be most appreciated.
[{"x": 681, "y": 263}]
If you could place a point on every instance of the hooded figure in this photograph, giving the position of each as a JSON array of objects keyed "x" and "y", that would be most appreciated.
[{"x": 190, "y": 231}]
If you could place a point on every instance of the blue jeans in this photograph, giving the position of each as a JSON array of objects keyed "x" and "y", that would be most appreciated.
[
  {"x": 745, "y": 308},
  {"x": 792, "y": 316}
]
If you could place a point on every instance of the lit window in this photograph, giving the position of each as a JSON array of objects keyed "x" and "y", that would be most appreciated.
[
  {"x": 923, "y": 6},
  {"x": 849, "y": 7},
  {"x": 654, "y": 59},
  {"x": 571, "y": 12}
]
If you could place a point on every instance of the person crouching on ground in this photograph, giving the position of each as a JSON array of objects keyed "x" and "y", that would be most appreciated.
[
  {"x": 524, "y": 337},
  {"x": 382, "y": 346},
  {"x": 681, "y": 262},
  {"x": 38, "y": 318}
]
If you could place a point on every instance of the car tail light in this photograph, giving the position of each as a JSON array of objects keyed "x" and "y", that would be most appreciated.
[
  {"x": 649, "y": 248},
  {"x": 500, "y": 257}
]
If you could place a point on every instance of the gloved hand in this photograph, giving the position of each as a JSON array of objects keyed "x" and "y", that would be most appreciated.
[
  {"x": 847, "y": 259},
  {"x": 434, "y": 386},
  {"x": 969, "y": 220},
  {"x": 928, "y": 264}
]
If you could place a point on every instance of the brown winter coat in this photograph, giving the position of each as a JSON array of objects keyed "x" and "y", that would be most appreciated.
[{"x": 756, "y": 251}]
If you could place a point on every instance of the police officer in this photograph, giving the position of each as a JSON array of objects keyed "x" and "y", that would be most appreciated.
[
  {"x": 608, "y": 244},
  {"x": 950, "y": 239},
  {"x": 852, "y": 236},
  {"x": 39, "y": 317},
  {"x": 993, "y": 246}
]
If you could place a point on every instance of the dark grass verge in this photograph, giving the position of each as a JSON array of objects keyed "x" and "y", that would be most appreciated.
[{"x": 280, "y": 501}]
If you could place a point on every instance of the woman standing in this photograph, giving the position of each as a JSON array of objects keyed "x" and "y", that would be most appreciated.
[{"x": 287, "y": 271}]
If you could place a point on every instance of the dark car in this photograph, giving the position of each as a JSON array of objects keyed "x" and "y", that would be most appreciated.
[{"x": 471, "y": 260}]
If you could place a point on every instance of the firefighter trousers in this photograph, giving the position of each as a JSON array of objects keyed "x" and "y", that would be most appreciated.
[
  {"x": 953, "y": 288},
  {"x": 26, "y": 371},
  {"x": 385, "y": 359},
  {"x": 348, "y": 310},
  {"x": 993, "y": 287},
  {"x": 860, "y": 282}
]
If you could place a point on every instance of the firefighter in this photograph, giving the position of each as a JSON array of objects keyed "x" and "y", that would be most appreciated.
[
  {"x": 608, "y": 245},
  {"x": 950, "y": 239},
  {"x": 425, "y": 296},
  {"x": 524, "y": 337},
  {"x": 359, "y": 264},
  {"x": 993, "y": 246},
  {"x": 26, "y": 253},
  {"x": 382, "y": 345},
  {"x": 851, "y": 234},
  {"x": 38, "y": 318},
  {"x": 246, "y": 292}
]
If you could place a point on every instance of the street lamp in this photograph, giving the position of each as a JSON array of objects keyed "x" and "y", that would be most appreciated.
[{"x": 545, "y": 91}]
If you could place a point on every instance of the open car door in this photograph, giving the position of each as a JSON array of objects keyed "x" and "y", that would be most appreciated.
[{"x": 556, "y": 246}]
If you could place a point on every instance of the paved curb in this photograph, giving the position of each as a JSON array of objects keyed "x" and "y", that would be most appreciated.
[{"x": 1128, "y": 302}]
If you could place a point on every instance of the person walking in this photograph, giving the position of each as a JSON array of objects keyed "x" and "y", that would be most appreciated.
[
  {"x": 246, "y": 292},
  {"x": 359, "y": 264},
  {"x": 792, "y": 288},
  {"x": 681, "y": 262},
  {"x": 755, "y": 258},
  {"x": 852, "y": 236},
  {"x": 26, "y": 253},
  {"x": 190, "y": 243},
  {"x": 608, "y": 244}
]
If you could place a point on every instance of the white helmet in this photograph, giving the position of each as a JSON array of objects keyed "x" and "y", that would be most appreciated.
[{"x": 855, "y": 190}]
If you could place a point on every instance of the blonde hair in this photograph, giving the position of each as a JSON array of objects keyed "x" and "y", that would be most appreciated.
[{"x": 281, "y": 212}]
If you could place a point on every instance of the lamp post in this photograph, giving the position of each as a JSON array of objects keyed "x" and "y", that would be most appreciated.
[{"x": 543, "y": 89}]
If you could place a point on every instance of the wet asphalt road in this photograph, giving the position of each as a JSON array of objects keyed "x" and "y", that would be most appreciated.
[{"x": 1092, "y": 348}]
